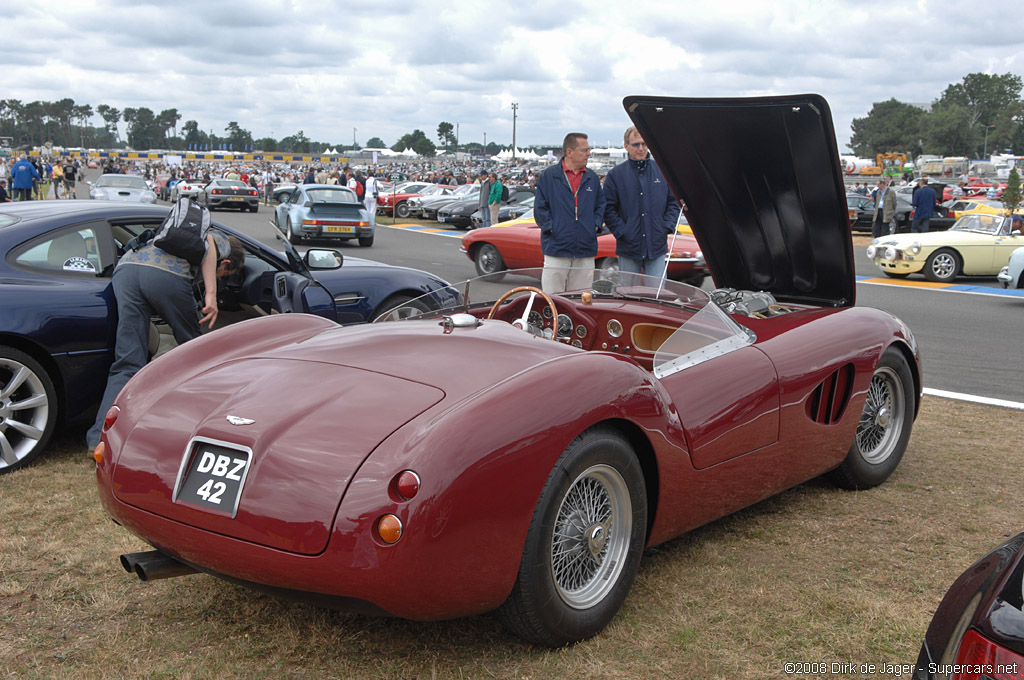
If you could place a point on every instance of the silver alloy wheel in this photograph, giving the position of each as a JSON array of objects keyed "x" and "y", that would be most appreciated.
[
  {"x": 943, "y": 265},
  {"x": 881, "y": 422},
  {"x": 24, "y": 411},
  {"x": 591, "y": 536}
]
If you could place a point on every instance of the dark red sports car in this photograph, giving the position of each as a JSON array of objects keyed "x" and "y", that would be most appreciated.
[{"x": 518, "y": 451}]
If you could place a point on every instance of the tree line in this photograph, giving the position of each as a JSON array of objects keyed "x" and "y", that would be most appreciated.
[
  {"x": 67, "y": 124},
  {"x": 980, "y": 115}
]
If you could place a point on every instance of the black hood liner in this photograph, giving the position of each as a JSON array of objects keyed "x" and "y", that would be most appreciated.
[{"x": 763, "y": 190}]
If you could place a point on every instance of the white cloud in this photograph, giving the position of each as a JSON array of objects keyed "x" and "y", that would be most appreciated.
[{"x": 387, "y": 67}]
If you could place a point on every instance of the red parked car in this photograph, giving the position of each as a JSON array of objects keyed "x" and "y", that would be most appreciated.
[
  {"x": 518, "y": 451},
  {"x": 396, "y": 202},
  {"x": 516, "y": 245}
]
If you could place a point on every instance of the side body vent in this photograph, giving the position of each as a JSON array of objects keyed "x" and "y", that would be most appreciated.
[{"x": 827, "y": 403}]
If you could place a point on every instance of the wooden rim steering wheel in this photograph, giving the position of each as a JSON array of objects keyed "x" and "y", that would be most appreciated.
[{"x": 529, "y": 306}]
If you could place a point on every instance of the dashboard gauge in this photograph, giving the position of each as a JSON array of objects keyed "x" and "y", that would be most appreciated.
[
  {"x": 581, "y": 331},
  {"x": 564, "y": 325},
  {"x": 577, "y": 344},
  {"x": 614, "y": 328},
  {"x": 534, "y": 319},
  {"x": 547, "y": 312}
]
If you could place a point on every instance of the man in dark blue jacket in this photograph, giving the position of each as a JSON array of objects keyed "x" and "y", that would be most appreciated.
[
  {"x": 640, "y": 210},
  {"x": 23, "y": 177},
  {"x": 924, "y": 206},
  {"x": 569, "y": 209}
]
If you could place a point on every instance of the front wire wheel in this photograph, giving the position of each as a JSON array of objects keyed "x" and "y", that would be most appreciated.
[
  {"x": 884, "y": 427},
  {"x": 583, "y": 546}
]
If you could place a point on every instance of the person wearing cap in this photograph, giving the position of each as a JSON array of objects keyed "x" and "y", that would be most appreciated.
[{"x": 924, "y": 206}]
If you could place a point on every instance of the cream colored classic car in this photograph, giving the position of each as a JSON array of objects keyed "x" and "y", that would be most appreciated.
[{"x": 976, "y": 245}]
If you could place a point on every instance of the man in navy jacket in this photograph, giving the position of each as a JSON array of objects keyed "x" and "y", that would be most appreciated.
[
  {"x": 23, "y": 177},
  {"x": 569, "y": 209},
  {"x": 640, "y": 210},
  {"x": 924, "y": 206}
]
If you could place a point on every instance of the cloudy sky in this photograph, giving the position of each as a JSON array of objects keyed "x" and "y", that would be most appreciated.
[{"x": 383, "y": 68}]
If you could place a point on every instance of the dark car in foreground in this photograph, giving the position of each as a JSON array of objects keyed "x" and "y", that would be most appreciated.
[
  {"x": 977, "y": 632},
  {"x": 58, "y": 315},
  {"x": 519, "y": 450}
]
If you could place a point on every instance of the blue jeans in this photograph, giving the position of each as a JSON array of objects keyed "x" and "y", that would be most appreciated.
[
  {"x": 651, "y": 266},
  {"x": 141, "y": 292},
  {"x": 485, "y": 216},
  {"x": 918, "y": 221}
]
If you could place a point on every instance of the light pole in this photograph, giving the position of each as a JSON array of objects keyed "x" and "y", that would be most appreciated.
[
  {"x": 485, "y": 143},
  {"x": 985, "y": 152},
  {"x": 515, "y": 108},
  {"x": 456, "y": 140},
  {"x": 353, "y": 139}
]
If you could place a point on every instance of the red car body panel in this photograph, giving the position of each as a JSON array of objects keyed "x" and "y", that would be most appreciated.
[
  {"x": 519, "y": 245},
  {"x": 708, "y": 454}
]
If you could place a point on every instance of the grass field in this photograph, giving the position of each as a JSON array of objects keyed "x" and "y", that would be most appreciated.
[{"x": 812, "y": 575}]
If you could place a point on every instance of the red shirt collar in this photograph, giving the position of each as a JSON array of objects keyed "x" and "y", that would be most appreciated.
[{"x": 574, "y": 177}]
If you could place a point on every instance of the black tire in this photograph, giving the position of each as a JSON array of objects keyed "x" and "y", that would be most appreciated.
[
  {"x": 366, "y": 241},
  {"x": 894, "y": 275},
  {"x": 289, "y": 234},
  {"x": 884, "y": 427},
  {"x": 489, "y": 262},
  {"x": 697, "y": 281},
  {"x": 942, "y": 266},
  {"x": 397, "y": 307},
  {"x": 28, "y": 409},
  {"x": 402, "y": 209},
  {"x": 255, "y": 208},
  {"x": 584, "y": 543}
]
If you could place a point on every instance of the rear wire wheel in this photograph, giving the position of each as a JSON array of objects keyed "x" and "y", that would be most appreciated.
[{"x": 584, "y": 543}]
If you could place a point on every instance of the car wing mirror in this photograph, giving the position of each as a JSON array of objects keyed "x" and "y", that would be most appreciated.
[{"x": 317, "y": 258}]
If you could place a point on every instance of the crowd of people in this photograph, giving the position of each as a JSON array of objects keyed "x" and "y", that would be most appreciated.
[{"x": 30, "y": 178}]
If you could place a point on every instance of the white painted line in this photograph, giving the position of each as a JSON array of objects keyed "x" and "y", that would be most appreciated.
[{"x": 975, "y": 399}]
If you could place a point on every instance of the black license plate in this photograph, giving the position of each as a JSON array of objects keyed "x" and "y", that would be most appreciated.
[{"x": 212, "y": 475}]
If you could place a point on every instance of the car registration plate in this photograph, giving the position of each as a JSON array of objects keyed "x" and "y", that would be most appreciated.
[
  {"x": 212, "y": 475},
  {"x": 442, "y": 218},
  {"x": 236, "y": 198},
  {"x": 339, "y": 230}
]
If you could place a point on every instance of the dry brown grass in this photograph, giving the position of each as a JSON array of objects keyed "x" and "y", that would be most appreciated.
[{"x": 812, "y": 575}]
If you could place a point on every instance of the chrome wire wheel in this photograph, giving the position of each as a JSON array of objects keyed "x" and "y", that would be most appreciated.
[
  {"x": 591, "y": 536},
  {"x": 881, "y": 421},
  {"x": 25, "y": 412}
]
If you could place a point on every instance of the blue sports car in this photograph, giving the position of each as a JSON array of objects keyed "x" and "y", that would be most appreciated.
[
  {"x": 58, "y": 314},
  {"x": 323, "y": 211}
]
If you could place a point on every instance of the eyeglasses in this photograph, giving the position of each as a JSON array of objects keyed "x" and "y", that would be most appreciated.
[{"x": 637, "y": 145}]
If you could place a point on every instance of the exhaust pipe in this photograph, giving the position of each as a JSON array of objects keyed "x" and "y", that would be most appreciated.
[{"x": 153, "y": 564}]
